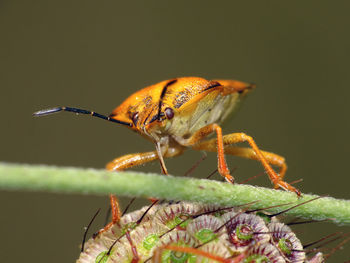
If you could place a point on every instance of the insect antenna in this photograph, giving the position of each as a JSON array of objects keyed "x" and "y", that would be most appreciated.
[
  {"x": 78, "y": 111},
  {"x": 87, "y": 229}
]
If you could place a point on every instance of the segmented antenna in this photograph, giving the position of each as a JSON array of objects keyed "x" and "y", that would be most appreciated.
[{"x": 78, "y": 111}]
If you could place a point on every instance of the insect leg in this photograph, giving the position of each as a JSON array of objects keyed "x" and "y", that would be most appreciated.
[
  {"x": 125, "y": 162},
  {"x": 271, "y": 158},
  {"x": 234, "y": 138},
  {"x": 204, "y": 132},
  {"x": 135, "y": 159},
  {"x": 130, "y": 160},
  {"x": 249, "y": 153},
  {"x": 116, "y": 214}
]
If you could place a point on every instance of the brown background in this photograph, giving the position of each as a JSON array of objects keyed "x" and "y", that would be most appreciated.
[{"x": 93, "y": 54}]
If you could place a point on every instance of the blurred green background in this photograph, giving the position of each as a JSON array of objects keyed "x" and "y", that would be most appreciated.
[{"x": 93, "y": 54}]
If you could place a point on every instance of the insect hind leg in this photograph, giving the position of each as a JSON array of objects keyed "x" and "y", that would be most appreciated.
[
  {"x": 265, "y": 158},
  {"x": 248, "y": 153}
]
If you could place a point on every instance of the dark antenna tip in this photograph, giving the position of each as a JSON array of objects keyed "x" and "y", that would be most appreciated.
[
  {"x": 47, "y": 111},
  {"x": 78, "y": 111}
]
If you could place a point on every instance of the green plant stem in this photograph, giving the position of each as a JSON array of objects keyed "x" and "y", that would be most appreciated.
[{"x": 136, "y": 184}]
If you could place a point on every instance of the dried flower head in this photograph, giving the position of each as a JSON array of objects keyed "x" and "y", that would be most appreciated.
[{"x": 192, "y": 232}]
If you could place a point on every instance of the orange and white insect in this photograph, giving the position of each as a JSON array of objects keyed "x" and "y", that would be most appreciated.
[{"x": 180, "y": 113}]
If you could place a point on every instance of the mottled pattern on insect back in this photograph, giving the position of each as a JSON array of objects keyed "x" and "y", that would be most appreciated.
[{"x": 224, "y": 233}]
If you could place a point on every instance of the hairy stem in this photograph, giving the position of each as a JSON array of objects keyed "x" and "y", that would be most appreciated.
[{"x": 136, "y": 184}]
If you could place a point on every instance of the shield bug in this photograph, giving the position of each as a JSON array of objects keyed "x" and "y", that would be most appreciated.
[{"x": 180, "y": 113}]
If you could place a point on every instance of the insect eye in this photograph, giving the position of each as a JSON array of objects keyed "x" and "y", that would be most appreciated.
[
  {"x": 135, "y": 118},
  {"x": 169, "y": 113}
]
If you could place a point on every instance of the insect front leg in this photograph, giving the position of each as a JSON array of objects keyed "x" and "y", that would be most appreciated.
[
  {"x": 135, "y": 159},
  {"x": 116, "y": 214},
  {"x": 234, "y": 138},
  {"x": 128, "y": 161}
]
